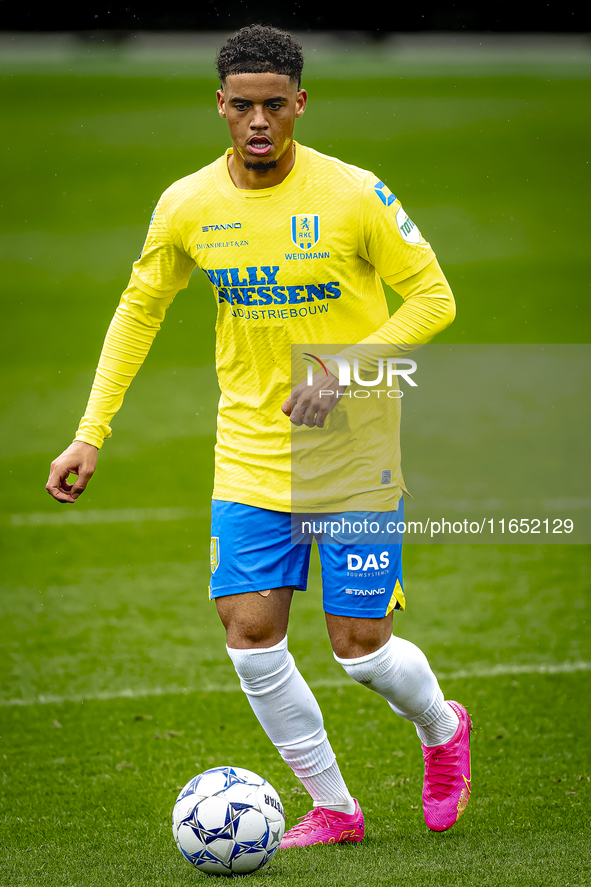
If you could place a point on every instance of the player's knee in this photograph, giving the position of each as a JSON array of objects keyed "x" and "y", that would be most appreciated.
[
  {"x": 262, "y": 669},
  {"x": 252, "y": 620},
  {"x": 243, "y": 632},
  {"x": 248, "y": 636},
  {"x": 354, "y": 638}
]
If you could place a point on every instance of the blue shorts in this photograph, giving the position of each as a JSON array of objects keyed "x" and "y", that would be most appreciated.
[{"x": 253, "y": 549}]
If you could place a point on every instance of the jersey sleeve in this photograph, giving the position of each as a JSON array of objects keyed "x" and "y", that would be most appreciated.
[
  {"x": 161, "y": 270},
  {"x": 129, "y": 338},
  {"x": 388, "y": 239},
  {"x": 163, "y": 266},
  {"x": 429, "y": 308}
]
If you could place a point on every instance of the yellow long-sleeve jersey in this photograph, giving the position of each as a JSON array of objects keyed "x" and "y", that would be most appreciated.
[{"x": 298, "y": 263}]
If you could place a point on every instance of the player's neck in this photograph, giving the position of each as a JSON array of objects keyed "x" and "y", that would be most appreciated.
[{"x": 255, "y": 179}]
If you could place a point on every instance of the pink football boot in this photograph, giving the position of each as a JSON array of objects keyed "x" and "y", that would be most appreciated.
[
  {"x": 323, "y": 826},
  {"x": 446, "y": 788}
]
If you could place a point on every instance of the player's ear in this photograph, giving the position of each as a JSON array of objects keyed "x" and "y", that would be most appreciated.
[
  {"x": 221, "y": 102},
  {"x": 301, "y": 100}
]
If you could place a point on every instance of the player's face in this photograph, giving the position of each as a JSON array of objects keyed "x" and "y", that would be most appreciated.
[{"x": 261, "y": 110}]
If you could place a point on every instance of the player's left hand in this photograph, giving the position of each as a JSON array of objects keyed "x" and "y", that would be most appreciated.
[{"x": 310, "y": 404}]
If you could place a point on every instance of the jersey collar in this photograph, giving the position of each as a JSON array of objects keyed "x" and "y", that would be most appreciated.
[{"x": 291, "y": 180}]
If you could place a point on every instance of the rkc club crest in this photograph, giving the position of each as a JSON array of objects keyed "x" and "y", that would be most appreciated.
[
  {"x": 305, "y": 231},
  {"x": 214, "y": 553}
]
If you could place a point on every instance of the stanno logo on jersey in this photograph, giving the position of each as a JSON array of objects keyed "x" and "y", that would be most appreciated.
[
  {"x": 384, "y": 194},
  {"x": 221, "y": 227},
  {"x": 305, "y": 231}
]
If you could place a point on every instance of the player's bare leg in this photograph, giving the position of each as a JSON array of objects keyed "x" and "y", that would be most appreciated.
[
  {"x": 255, "y": 619},
  {"x": 399, "y": 671},
  {"x": 256, "y": 625},
  {"x": 351, "y": 637}
]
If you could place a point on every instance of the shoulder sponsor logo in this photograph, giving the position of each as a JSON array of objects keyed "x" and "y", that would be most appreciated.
[
  {"x": 224, "y": 227},
  {"x": 407, "y": 227},
  {"x": 305, "y": 230},
  {"x": 385, "y": 194}
]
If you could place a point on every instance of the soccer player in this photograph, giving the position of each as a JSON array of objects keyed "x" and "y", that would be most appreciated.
[{"x": 246, "y": 221}]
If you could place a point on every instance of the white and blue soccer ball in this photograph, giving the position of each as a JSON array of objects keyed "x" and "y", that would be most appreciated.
[{"x": 228, "y": 820}]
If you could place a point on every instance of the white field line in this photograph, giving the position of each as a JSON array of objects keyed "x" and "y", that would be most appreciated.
[
  {"x": 68, "y": 515},
  {"x": 579, "y": 503},
  {"x": 105, "y": 516},
  {"x": 493, "y": 671}
]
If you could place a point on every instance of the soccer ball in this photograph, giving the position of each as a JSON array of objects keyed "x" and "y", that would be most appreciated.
[{"x": 228, "y": 820}]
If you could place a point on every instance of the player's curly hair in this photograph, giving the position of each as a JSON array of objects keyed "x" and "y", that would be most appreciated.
[{"x": 260, "y": 49}]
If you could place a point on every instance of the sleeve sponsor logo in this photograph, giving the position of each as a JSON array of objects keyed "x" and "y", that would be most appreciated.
[{"x": 407, "y": 227}]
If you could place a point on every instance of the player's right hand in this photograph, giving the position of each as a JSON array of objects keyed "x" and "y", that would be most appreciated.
[
  {"x": 310, "y": 404},
  {"x": 80, "y": 458}
]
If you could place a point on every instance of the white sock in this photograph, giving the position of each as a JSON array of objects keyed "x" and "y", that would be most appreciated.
[
  {"x": 328, "y": 789},
  {"x": 399, "y": 672},
  {"x": 290, "y": 716},
  {"x": 441, "y": 730}
]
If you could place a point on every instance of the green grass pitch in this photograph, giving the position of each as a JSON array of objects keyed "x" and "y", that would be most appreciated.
[{"x": 115, "y": 686}]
